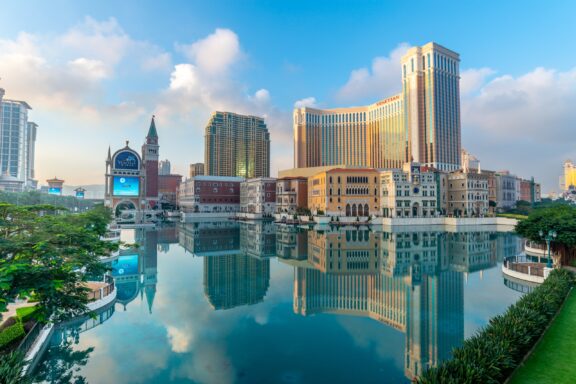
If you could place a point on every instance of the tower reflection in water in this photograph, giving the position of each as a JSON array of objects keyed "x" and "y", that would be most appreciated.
[
  {"x": 236, "y": 265},
  {"x": 135, "y": 270}
]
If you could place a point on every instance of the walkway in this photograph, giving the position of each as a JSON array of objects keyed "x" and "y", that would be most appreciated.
[{"x": 553, "y": 359}]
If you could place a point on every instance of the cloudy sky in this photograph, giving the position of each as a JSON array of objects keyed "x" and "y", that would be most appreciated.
[{"x": 95, "y": 72}]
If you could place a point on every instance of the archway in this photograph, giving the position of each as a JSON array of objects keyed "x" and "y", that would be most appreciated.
[
  {"x": 415, "y": 210},
  {"x": 366, "y": 210},
  {"x": 348, "y": 210},
  {"x": 354, "y": 210},
  {"x": 123, "y": 206},
  {"x": 360, "y": 210}
]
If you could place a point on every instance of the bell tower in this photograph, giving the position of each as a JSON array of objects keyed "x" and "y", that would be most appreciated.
[{"x": 150, "y": 155}]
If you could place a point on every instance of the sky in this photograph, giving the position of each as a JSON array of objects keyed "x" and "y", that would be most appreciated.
[{"x": 95, "y": 72}]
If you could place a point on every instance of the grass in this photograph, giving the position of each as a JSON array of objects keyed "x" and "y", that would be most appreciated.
[
  {"x": 512, "y": 216},
  {"x": 553, "y": 359}
]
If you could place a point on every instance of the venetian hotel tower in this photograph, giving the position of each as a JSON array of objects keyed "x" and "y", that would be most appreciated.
[{"x": 421, "y": 124}]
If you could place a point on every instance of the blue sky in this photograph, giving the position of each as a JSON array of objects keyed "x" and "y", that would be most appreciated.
[{"x": 94, "y": 72}]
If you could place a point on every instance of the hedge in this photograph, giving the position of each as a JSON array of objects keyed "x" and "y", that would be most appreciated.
[
  {"x": 26, "y": 313},
  {"x": 11, "y": 333},
  {"x": 494, "y": 351}
]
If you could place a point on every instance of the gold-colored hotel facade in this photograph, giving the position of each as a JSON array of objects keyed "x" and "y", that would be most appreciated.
[{"x": 421, "y": 124}]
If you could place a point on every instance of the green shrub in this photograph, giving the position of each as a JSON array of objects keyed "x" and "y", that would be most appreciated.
[
  {"x": 494, "y": 351},
  {"x": 11, "y": 333},
  {"x": 26, "y": 313},
  {"x": 11, "y": 366}
]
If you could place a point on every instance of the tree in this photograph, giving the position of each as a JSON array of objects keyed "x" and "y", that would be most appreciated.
[
  {"x": 560, "y": 218},
  {"x": 46, "y": 255}
]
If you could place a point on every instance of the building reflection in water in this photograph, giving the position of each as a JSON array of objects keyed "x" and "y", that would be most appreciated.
[
  {"x": 412, "y": 281},
  {"x": 236, "y": 265},
  {"x": 135, "y": 271}
]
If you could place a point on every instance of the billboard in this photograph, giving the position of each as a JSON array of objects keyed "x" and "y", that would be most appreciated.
[
  {"x": 125, "y": 265},
  {"x": 55, "y": 191},
  {"x": 126, "y": 160},
  {"x": 126, "y": 186},
  {"x": 80, "y": 194}
]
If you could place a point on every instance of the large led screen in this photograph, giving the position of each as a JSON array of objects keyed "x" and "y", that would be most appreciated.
[
  {"x": 126, "y": 186},
  {"x": 79, "y": 194},
  {"x": 125, "y": 265},
  {"x": 55, "y": 191}
]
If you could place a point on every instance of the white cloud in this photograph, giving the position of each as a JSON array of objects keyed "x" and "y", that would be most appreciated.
[
  {"x": 306, "y": 102},
  {"x": 91, "y": 69},
  {"x": 472, "y": 79},
  {"x": 523, "y": 123},
  {"x": 382, "y": 79},
  {"x": 215, "y": 53}
]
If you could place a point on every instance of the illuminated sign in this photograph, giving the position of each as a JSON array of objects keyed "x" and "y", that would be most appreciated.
[
  {"x": 80, "y": 194},
  {"x": 126, "y": 186},
  {"x": 126, "y": 160},
  {"x": 55, "y": 191},
  {"x": 125, "y": 265}
]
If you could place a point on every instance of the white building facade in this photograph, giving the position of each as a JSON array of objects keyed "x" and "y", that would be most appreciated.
[
  {"x": 258, "y": 197},
  {"x": 408, "y": 192}
]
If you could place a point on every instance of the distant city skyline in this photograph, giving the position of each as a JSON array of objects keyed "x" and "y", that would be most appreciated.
[{"x": 94, "y": 73}]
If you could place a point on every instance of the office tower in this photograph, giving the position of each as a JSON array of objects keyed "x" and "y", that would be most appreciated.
[
  {"x": 17, "y": 141},
  {"x": 236, "y": 145},
  {"x": 164, "y": 168},
  {"x": 569, "y": 175},
  {"x": 196, "y": 169},
  {"x": 420, "y": 124}
]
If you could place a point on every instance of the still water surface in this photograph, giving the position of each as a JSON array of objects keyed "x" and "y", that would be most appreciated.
[{"x": 233, "y": 302}]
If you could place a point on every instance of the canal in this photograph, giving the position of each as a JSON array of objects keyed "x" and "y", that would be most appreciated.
[{"x": 231, "y": 302}]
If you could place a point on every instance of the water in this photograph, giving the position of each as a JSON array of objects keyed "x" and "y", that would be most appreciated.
[{"x": 258, "y": 303}]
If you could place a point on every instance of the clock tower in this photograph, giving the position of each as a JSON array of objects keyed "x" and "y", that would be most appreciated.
[{"x": 150, "y": 154}]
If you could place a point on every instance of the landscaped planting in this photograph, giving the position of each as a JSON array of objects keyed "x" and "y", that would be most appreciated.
[
  {"x": 493, "y": 353},
  {"x": 11, "y": 333}
]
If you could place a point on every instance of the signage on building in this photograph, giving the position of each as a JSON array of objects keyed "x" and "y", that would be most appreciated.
[
  {"x": 126, "y": 160},
  {"x": 126, "y": 186}
]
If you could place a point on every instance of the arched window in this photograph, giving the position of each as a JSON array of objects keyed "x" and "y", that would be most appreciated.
[
  {"x": 360, "y": 210},
  {"x": 354, "y": 213},
  {"x": 366, "y": 210},
  {"x": 348, "y": 213}
]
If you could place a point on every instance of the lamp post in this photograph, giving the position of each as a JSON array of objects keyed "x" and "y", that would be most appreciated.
[{"x": 548, "y": 238}]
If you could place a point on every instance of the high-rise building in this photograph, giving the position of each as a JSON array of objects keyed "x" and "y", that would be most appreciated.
[
  {"x": 164, "y": 167},
  {"x": 569, "y": 175},
  {"x": 17, "y": 141},
  {"x": 420, "y": 124},
  {"x": 196, "y": 169},
  {"x": 236, "y": 145}
]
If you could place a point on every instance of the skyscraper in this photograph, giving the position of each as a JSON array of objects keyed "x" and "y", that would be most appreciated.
[
  {"x": 17, "y": 141},
  {"x": 164, "y": 167},
  {"x": 236, "y": 145},
  {"x": 420, "y": 124}
]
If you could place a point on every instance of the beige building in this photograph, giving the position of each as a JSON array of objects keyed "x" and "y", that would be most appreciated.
[
  {"x": 409, "y": 192},
  {"x": 236, "y": 145},
  {"x": 291, "y": 194},
  {"x": 467, "y": 194},
  {"x": 196, "y": 169},
  {"x": 569, "y": 179},
  {"x": 422, "y": 123},
  {"x": 344, "y": 192}
]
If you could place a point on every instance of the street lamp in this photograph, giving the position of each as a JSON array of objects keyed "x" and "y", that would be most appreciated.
[{"x": 548, "y": 238}]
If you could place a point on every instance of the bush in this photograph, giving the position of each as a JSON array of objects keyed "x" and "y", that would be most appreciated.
[
  {"x": 13, "y": 332},
  {"x": 493, "y": 352},
  {"x": 26, "y": 313},
  {"x": 11, "y": 366}
]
